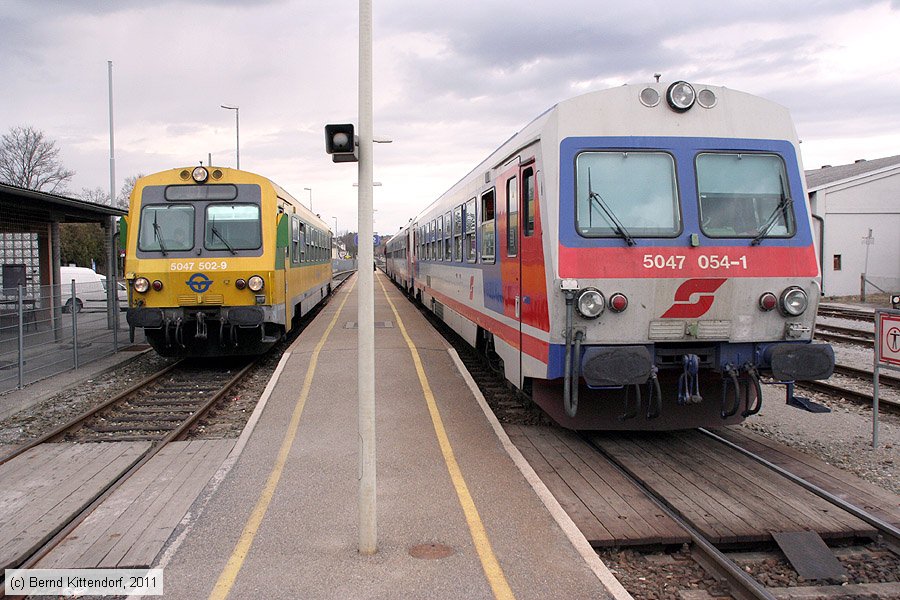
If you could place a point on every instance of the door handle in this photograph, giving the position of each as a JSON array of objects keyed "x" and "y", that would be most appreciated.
[{"x": 518, "y": 307}]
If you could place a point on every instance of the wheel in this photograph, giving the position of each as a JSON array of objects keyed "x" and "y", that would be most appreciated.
[{"x": 78, "y": 305}]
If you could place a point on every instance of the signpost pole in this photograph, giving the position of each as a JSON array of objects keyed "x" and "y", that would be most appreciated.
[{"x": 887, "y": 356}]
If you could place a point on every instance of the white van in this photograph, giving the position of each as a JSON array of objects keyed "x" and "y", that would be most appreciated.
[{"x": 90, "y": 289}]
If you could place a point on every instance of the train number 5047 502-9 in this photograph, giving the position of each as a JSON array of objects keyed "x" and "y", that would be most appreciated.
[{"x": 203, "y": 265}]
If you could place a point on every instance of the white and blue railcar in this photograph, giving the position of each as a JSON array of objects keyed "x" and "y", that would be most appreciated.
[{"x": 634, "y": 258}]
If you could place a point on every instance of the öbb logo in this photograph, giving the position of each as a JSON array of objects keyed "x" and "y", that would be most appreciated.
[{"x": 693, "y": 298}]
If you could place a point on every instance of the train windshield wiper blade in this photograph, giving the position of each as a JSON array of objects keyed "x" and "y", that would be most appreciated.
[
  {"x": 224, "y": 241},
  {"x": 783, "y": 205},
  {"x": 158, "y": 236},
  {"x": 610, "y": 215}
]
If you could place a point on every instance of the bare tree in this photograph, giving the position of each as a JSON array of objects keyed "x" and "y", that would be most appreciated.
[
  {"x": 124, "y": 197},
  {"x": 29, "y": 160},
  {"x": 96, "y": 195}
]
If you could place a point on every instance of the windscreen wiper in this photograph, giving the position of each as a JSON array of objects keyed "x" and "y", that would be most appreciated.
[
  {"x": 158, "y": 235},
  {"x": 219, "y": 235},
  {"x": 610, "y": 215},
  {"x": 783, "y": 205}
]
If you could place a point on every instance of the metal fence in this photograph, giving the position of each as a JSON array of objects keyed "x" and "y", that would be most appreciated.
[{"x": 46, "y": 330}]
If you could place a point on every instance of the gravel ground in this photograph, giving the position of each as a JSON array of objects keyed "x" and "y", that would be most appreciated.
[{"x": 842, "y": 438}]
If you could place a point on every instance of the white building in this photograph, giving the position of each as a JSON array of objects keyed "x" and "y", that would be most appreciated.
[{"x": 857, "y": 206}]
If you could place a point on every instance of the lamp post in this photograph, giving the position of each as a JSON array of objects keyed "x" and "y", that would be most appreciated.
[
  {"x": 237, "y": 130},
  {"x": 334, "y": 241},
  {"x": 310, "y": 197}
]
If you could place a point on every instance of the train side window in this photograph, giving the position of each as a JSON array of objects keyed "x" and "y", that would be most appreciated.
[
  {"x": 432, "y": 251},
  {"x": 512, "y": 217},
  {"x": 301, "y": 241},
  {"x": 457, "y": 233},
  {"x": 470, "y": 231},
  {"x": 448, "y": 238},
  {"x": 295, "y": 240},
  {"x": 307, "y": 248},
  {"x": 528, "y": 202},
  {"x": 488, "y": 227},
  {"x": 439, "y": 238}
]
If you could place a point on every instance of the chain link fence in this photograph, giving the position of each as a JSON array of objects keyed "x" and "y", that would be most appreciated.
[{"x": 46, "y": 330}]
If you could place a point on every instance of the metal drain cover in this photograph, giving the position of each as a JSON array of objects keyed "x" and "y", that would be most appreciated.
[
  {"x": 378, "y": 325},
  {"x": 431, "y": 551}
]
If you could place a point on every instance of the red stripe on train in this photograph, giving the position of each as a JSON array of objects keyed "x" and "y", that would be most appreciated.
[{"x": 664, "y": 262}]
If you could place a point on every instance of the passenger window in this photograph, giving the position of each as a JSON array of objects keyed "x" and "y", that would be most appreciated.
[
  {"x": 488, "y": 227},
  {"x": 470, "y": 231},
  {"x": 448, "y": 243},
  {"x": 512, "y": 217},
  {"x": 295, "y": 240},
  {"x": 439, "y": 238},
  {"x": 457, "y": 233},
  {"x": 528, "y": 202}
]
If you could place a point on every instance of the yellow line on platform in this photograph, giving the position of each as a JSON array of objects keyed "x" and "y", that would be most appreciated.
[
  {"x": 489, "y": 562},
  {"x": 242, "y": 548}
]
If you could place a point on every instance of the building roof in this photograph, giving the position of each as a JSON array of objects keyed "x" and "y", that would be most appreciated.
[
  {"x": 827, "y": 175},
  {"x": 23, "y": 205}
]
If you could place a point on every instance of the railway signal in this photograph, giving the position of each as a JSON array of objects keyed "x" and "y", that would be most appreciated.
[{"x": 341, "y": 143}]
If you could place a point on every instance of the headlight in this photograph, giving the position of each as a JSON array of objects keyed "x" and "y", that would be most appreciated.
[
  {"x": 681, "y": 96},
  {"x": 141, "y": 285},
  {"x": 255, "y": 283},
  {"x": 794, "y": 301},
  {"x": 200, "y": 174},
  {"x": 590, "y": 303}
]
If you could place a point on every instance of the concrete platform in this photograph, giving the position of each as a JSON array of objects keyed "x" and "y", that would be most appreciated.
[{"x": 283, "y": 521}]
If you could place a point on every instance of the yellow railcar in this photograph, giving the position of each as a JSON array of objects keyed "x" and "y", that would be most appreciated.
[{"x": 220, "y": 261}]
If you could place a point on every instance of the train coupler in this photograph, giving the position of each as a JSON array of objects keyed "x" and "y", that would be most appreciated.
[
  {"x": 752, "y": 384},
  {"x": 731, "y": 377},
  {"x": 689, "y": 380},
  {"x": 201, "y": 333}
]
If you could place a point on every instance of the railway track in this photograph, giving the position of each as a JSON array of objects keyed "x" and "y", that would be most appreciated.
[
  {"x": 732, "y": 564},
  {"x": 726, "y": 564},
  {"x": 159, "y": 409},
  {"x": 846, "y": 313},
  {"x": 848, "y": 335}
]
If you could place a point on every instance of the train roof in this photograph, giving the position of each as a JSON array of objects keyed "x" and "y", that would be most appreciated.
[{"x": 619, "y": 112}]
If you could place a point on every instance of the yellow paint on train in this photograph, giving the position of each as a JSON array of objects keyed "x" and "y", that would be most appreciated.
[{"x": 220, "y": 261}]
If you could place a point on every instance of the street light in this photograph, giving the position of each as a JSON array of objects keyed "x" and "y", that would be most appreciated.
[
  {"x": 237, "y": 130},
  {"x": 310, "y": 197}
]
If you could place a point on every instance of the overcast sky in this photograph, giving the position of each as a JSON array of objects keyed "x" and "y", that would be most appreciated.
[{"x": 452, "y": 80}]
